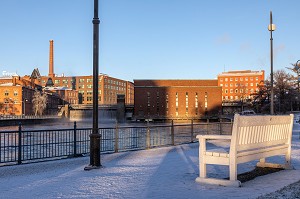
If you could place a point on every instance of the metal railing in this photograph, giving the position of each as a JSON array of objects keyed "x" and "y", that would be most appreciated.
[
  {"x": 25, "y": 146},
  {"x": 10, "y": 117}
]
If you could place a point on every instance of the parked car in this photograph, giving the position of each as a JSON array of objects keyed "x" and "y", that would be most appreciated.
[{"x": 248, "y": 112}]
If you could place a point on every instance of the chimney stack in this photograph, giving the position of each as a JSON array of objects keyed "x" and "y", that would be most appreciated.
[{"x": 51, "y": 60}]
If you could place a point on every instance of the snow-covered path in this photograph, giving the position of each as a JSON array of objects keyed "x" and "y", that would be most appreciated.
[{"x": 168, "y": 172}]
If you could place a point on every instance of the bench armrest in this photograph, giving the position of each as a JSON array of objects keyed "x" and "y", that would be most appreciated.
[{"x": 214, "y": 137}]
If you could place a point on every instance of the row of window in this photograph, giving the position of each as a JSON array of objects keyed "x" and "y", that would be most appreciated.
[
  {"x": 240, "y": 85},
  {"x": 110, "y": 81},
  {"x": 6, "y": 93},
  {"x": 237, "y": 79},
  {"x": 241, "y": 91},
  {"x": 177, "y": 103},
  {"x": 236, "y": 97}
]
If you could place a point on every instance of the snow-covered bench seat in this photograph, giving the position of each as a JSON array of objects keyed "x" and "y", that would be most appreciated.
[{"x": 253, "y": 138}]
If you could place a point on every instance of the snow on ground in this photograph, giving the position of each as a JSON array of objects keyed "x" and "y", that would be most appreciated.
[{"x": 168, "y": 172}]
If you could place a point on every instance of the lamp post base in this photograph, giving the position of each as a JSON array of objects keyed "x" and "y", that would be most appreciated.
[{"x": 91, "y": 167}]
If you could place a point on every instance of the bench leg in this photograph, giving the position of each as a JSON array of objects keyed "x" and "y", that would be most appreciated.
[
  {"x": 233, "y": 172},
  {"x": 202, "y": 170}
]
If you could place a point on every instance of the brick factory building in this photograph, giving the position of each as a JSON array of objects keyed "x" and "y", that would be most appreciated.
[
  {"x": 176, "y": 99},
  {"x": 238, "y": 88},
  {"x": 239, "y": 85},
  {"x": 16, "y": 96},
  {"x": 109, "y": 87}
]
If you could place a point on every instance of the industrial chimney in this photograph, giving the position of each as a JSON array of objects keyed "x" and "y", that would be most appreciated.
[{"x": 51, "y": 60}]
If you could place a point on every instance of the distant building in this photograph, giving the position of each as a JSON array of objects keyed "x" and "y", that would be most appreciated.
[
  {"x": 109, "y": 88},
  {"x": 176, "y": 99},
  {"x": 67, "y": 95},
  {"x": 240, "y": 85}
]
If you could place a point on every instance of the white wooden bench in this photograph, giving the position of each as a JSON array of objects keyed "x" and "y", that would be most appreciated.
[{"x": 253, "y": 138}]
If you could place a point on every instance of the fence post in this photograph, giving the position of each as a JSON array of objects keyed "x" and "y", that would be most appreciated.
[
  {"x": 148, "y": 140},
  {"x": 207, "y": 122},
  {"x": 75, "y": 139},
  {"x": 172, "y": 133},
  {"x": 20, "y": 144},
  {"x": 220, "y": 126},
  {"x": 117, "y": 138},
  {"x": 192, "y": 131}
]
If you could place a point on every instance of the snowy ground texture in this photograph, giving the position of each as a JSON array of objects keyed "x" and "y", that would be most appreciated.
[{"x": 168, "y": 172}]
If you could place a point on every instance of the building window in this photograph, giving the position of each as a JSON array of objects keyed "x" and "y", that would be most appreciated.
[
  {"x": 226, "y": 91},
  {"x": 89, "y": 80},
  {"x": 65, "y": 81},
  {"x": 196, "y": 103},
  {"x": 236, "y": 85},
  {"x": 186, "y": 103},
  {"x": 251, "y": 84},
  {"x": 15, "y": 93},
  {"x": 241, "y": 79},
  {"x": 226, "y": 85},
  {"x": 226, "y": 79},
  {"x": 251, "y": 78},
  {"x": 205, "y": 101},
  {"x": 167, "y": 103},
  {"x": 221, "y": 84},
  {"x": 176, "y": 104},
  {"x": 81, "y": 80},
  {"x": 56, "y": 81},
  {"x": 231, "y": 85},
  {"x": 256, "y": 78},
  {"x": 148, "y": 103},
  {"x": 89, "y": 86},
  {"x": 6, "y": 93},
  {"x": 236, "y": 79},
  {"x": 231, "y": 90},
  {"x": 157, "y": 103},
  {"x": 236, "y": 90},
  {"x": 81, "y": 86},
  {"x": 221, "y": 79},
  {"x": 246, "y": 78}
]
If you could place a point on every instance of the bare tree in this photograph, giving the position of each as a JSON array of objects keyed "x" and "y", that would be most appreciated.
[
  {"x": 39, "y": 102},
  {"x": 284, "y": 93}
]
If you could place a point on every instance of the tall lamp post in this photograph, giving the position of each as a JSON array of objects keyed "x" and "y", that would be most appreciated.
[
  {"x": 297, "y": 68},
  {"x": 271, "y": 28},
  {"x": 95, "y": 137}
]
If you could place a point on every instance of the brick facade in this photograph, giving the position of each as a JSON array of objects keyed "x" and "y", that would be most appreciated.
[
  {"x": 109, "y": 88},
  {"x": 164, "y": 99},
  {"x": 239, "y": 85}
]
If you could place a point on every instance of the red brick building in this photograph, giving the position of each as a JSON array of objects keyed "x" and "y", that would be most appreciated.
[
  {"x": 239, "y": 85},
  {"x": 166, "y": 99},
  {"x": 16, "y": 96},
  {"x": 109, "y": 88}
]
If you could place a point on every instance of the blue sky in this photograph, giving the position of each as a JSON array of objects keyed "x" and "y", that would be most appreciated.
[{"x": 149, "y": 39}]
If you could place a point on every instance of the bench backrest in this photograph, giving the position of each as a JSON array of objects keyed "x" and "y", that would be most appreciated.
[{"x": 261, "y": 131}]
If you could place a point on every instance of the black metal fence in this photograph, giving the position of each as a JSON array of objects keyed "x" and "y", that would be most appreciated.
[{"x": 24, "y": 146}]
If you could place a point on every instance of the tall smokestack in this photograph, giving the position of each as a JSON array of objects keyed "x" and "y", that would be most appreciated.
[{"x": 51, "y": 60}]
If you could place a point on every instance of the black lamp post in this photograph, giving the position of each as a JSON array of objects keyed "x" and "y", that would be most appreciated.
[
  {"x": 95, "y": 137},
  {"x": 297, "y": 68},
  {"x": 271, "y": 28}
]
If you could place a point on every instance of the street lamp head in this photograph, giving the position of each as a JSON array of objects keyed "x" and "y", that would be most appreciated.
[{"x": 271, "y": 27}]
